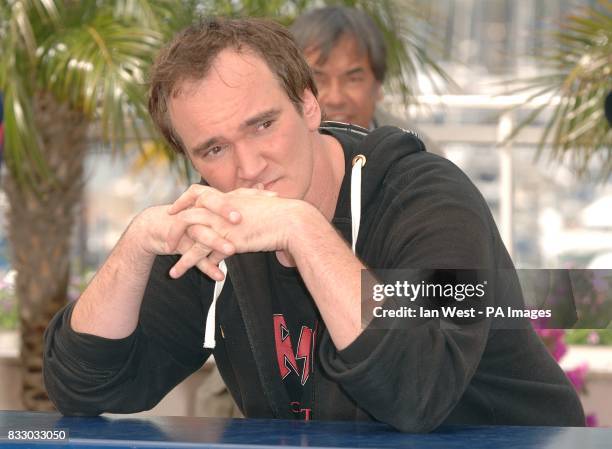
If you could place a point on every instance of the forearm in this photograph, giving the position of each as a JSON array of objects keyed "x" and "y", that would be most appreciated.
[
  {"x": 109, "y": 306},
  {"x": 89, "y": 375},
  {"x": 331, "y": 273}
]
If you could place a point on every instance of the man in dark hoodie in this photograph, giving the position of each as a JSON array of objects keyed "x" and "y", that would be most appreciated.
[{"x": 258, "y": 252}]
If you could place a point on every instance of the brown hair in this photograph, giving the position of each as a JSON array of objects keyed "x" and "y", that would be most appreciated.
[{"x": 191, "y": 53}]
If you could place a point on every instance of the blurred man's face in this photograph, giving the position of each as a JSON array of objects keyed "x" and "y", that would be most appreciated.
[{"x": 348, "y": 90}]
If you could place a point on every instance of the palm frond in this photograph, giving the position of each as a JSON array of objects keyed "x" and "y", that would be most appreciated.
[
  {"x": 27, "y": 166},
  {"x": 581, "y": 74},
  {"x": 95, "y": 58},
  {"x": 18, "y": 62},
  {"x": 81, "y": 63}
]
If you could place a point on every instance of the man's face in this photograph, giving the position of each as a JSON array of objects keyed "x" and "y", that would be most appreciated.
[
  {"x": 239, "y": 127},
  {"x": 348, "y": 90}
]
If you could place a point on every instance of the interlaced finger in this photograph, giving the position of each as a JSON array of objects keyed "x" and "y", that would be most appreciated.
[{"x": 197, "y": 216}]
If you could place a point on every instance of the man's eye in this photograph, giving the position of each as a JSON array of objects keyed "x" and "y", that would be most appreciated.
[
  {"x": 213, "y": 151},
  {"x": 266, "y": 124}
]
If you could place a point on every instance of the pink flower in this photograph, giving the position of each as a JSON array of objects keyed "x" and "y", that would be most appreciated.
[
  {"x": 591, "y": 420},
  {"x": 577, "y": 375},
  {"x": 555, "y": 341},
  {"x": 593, "y": 338},
  {"x": 559, "y": 350}
]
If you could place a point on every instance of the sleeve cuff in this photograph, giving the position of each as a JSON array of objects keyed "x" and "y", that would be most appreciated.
[
  {"x": 362, "y": 347},
  {"x": 92, "y": 349}
]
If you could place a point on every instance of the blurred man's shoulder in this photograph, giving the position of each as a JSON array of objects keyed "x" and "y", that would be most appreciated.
[{"x": 382, "y": 117}]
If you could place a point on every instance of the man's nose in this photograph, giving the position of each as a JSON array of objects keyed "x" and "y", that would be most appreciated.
[
  {"x": 250, "y": 163},
  {"x": 333, "y": 95}
]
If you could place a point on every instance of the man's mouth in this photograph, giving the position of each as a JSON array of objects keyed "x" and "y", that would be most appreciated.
[
  {"x": 339, "y": 118},
  {"x": 269, "y": 184}
]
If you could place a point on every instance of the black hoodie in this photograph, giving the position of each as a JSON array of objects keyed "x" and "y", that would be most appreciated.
[{"x": 418, "y": 211}]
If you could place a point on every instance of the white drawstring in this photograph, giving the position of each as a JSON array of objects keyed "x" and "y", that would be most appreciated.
[
  {"x": 358, "y": 163},
  {"x": 209, "y": 333}
]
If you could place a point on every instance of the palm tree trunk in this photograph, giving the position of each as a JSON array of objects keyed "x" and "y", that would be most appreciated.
[{"x": 40, "y": 226}]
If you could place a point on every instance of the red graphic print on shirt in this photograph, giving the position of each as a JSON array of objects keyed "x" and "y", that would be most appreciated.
[{"x": 287, "y": 358}]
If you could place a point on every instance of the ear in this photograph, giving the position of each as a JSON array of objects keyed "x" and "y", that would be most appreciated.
[{"x": 311, "y": 109}]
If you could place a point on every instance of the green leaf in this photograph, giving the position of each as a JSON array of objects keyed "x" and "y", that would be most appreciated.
[{"x": 581, "y": 75}]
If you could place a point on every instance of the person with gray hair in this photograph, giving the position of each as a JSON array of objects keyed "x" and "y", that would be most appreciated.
[{"x": 348, "y": 56}]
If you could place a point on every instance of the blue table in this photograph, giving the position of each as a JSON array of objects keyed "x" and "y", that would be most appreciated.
[{"x": 179, "y": 432}]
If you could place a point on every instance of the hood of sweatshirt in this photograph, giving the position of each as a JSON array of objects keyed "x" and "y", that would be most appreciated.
[
  {"x": 383, "y": 148},
  {"x": 379, "y": 150}
]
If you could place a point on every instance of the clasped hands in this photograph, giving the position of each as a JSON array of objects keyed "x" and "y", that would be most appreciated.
[{"x": 205, "y": 225}]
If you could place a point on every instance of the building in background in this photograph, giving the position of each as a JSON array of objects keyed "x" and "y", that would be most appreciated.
[{"x": 548, "y": 217}]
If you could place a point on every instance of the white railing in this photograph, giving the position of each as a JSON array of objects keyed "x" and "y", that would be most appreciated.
[{"x": 492, "y": 134}]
